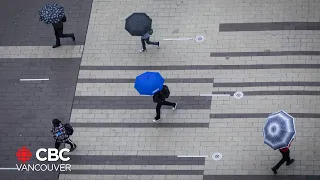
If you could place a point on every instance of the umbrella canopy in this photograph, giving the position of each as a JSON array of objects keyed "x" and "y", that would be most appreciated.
[
  {"x": 51, "y": 13},
  {"x": 138, "y": 24},
  {"x": 149, "y": 83},
  {"x": 279, "y": 130}
]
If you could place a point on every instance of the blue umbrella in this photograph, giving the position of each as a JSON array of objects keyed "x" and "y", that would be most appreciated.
[
  {"x": 279, "y": 130},
  {"x": 51, "y": 13},
  {"x": 149, "y": 83}
]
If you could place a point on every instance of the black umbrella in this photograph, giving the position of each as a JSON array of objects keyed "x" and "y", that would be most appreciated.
[{"x": 138, "y": 24}]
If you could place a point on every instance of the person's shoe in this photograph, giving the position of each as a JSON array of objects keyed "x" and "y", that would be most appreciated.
[
  {"x": 156, "y": 120},
  {"x": 75, "y": 146},
  {"x": 175, "y": 107},
  {"x": 274, "y": 170},
  {"x": 158, "y": 45},
  {"x": 141, "y": 50},
  {"x": 73, "y": 38},
  {"x": 290, "y": 162},
  {"x": 56, "y": 45}
]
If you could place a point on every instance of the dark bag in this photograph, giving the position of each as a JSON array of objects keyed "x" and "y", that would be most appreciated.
[
  {"x": 156, "y": 97},
  {"x": 165, "y": 91},
  {"x": 64, "y": 19},
  {"x": 69, "y": 129}
]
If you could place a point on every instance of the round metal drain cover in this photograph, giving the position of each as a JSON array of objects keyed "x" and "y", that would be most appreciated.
[
  {"x": 238, "y": 95},
  {"x": 200, "y": 38},
  {"x": 216, "y": 156}
]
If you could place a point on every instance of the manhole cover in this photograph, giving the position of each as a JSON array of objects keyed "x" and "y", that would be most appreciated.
[
  {"x": 216, "y": 156},
  {"x": 238, "y": 95},
  {"x": 200, "y": 38}
]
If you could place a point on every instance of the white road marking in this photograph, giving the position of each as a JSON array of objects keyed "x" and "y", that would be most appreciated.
[
  {"x": 214, "y": 94},
  {"x": 177, "y": 39},
  {"x": 8, "y": 168},
  {"x": 34, "y": 79},
  {"x": 191, "y": 156}
]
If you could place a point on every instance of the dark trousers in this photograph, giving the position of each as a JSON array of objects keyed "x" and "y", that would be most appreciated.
[
  {"x": 285, "y": 157},
  {"x": 144, "y": 41},
  {"x": 159, "y": 104},
  {"x": 68, "y": 141},
  {"x": 59, "y": 34}
]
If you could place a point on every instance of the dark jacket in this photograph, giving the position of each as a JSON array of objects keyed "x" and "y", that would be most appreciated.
[
  {"x": 161, "y": 95},
  {"x": 158, "y": 97},
  {"x": 59, "y": 25}
]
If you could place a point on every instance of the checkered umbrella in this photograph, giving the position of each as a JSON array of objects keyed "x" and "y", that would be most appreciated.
[
  {"x": 279, "y": 130},
  {"x": 51, "y": 13}
]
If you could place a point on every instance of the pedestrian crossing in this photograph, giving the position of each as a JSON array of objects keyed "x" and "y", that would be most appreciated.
[{"x": 105, "y": 96}]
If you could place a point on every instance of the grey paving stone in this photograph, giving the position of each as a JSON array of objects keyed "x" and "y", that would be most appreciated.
[
  {"x": 205, "y": 67},
  {"x": 134, "y": 160},
  {"x": 262, "y": 115},
  {"x": 136, "y": 172},
  {"x": 27, "y": 108},
  {"x": 259, "y": 93},
  {"x": 143, "y": 125},
  {"x": 265, "y": 53},
  {"x": 269, "y": 26},
  {"x": 138, "y": 102},
  {"x": 21, "y": 27},
  {"x": 24, "y": 175},
  {"x": 255, "y": 93},
  {"x": 258, "y": 84},
  {"x": 180, "y": 80},
  {"x": 255, "y": 177}
]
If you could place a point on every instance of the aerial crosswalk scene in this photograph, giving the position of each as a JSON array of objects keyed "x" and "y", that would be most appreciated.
[{"x": 160, "y": 90}]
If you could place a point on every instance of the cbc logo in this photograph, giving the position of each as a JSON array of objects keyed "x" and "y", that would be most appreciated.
[{"x": 52, "y": 154}]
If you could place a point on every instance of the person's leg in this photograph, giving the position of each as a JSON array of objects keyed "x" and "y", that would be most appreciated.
[
  {"x": 283, "y": 159},
  {"x": 56, "y": 33},
  {"x": 158, "y": 110},
  {"x": 167, "y": 103},
  {"x": 143, "y": 45},
  {"x": 72, "y": 145},
  {"x": 288, "y": 159},
  {"x": 61, "y": 35},
  {"x": 57, "y": 145},
  {"x": 150, "y": 42}
]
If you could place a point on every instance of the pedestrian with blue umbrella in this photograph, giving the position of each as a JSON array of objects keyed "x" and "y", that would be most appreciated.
[
  {"x": 152, "y": 84},
  {"x": 54, "y": 14},
  {"x": 279, "y": 132}
]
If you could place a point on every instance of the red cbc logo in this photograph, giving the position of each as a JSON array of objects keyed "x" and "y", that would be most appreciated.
[{"x": 23, "y": 154}]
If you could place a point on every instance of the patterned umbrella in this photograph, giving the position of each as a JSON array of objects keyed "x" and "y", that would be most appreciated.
[
  {"x": 279, "y": 130},
  {"x": 51, "y": 13},
  {"x": 149, "y": 83}
]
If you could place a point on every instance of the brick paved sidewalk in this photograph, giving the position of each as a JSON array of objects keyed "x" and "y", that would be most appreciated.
[
  {"x": 276, "y": 65},
  {"x": 274, "y": 60}
]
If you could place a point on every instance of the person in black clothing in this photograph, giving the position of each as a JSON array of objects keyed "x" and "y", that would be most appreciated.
[
  {"x": 58, "y": 32},
  {"x": 159, "y": 98},
  {"x": 285, "y": 158}
]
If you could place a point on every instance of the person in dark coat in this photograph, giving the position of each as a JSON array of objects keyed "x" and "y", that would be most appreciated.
[
  {"x": 285, "y": 158},
  {"x": 160, "y": 98},
  {"x": 58, "y": 32},
  {"x": 146, "y": 39},
  {"x": 59, "y": 134}
]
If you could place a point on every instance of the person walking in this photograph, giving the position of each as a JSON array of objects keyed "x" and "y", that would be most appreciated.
[
  {"x": 146, "y": 39},
  {"x": 159, "y": 98},
  {"x": 285, "y": 158},
  {"x": 61, "y": 133},
  {"x": 58, "y": 32}
]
